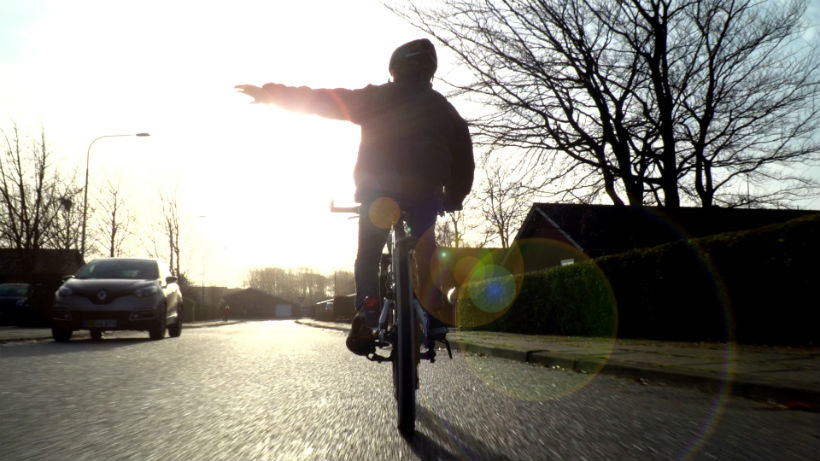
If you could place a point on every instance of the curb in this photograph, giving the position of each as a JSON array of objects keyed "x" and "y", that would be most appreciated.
[
  {"x": 328, "y": 326},
  {"x": 644, "y": 374},
  {"x": 83, "y": 334},
  {"x": 46, "y": 337},
  {"x": 210, "y": 324}
]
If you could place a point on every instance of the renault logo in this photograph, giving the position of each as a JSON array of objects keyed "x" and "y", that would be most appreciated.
[{"x": 101, "y": 295}]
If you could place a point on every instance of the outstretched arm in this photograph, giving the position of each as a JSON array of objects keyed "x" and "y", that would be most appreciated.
[
  {"x": 338, "y": 104},
  {"x": 259, "y": 95}
]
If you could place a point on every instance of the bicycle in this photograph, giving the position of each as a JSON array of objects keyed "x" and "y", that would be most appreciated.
[{"x": 403, "y": 325}]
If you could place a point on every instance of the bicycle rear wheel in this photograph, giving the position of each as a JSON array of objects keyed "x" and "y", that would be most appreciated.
[{"x": 404, "y": 359}]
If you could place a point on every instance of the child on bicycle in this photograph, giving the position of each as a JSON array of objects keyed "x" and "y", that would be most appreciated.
[{"x": 415, "y": 155}]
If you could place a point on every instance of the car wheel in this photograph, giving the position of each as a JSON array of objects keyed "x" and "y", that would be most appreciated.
[
  {"x": 158, "y": 331},
  {"x": 60, "y": 334},
  {"x": 176, "y": 329},
  {"x": 96, "y": 334}
]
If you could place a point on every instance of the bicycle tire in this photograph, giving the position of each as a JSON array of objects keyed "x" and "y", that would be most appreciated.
[{"x": 404, "y": 363}]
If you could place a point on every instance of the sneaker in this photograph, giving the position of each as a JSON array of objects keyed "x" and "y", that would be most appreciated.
[
  {"x": 370, "y": 308},
  {"x": 438, "y": 334},
  {"x": 360, "y": 339},
  {"x": 437, "y": 329}
]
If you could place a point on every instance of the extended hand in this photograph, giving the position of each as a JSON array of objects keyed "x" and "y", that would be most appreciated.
[{"x": 259, "y": 95}]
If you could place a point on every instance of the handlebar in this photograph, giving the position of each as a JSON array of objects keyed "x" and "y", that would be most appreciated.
[
  {"x": 343, "y": 209},
  {"x": 356, "y": 209}
]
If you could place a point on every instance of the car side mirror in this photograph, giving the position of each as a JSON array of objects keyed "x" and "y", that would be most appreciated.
[
  {"x": 67, "y": 277},
  {"x": 170, "y": 279}
]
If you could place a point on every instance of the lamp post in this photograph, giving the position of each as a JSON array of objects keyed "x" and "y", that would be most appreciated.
[
  {"x": 85, "y": 188},
  {"x": 202, "y": 289}
]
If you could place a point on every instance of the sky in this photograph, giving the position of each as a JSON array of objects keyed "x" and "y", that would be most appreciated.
[{"x": 253, "y": 182}]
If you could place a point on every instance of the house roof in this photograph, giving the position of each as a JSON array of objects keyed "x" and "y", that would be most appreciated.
[
  {"x": 606, "y": 229},
  {"x": 48, "y": 262}
]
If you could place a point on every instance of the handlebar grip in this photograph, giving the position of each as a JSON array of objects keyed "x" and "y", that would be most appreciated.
[{"x": 343, "y": 209}]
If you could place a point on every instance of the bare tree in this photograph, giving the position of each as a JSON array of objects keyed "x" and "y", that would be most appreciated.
[
  {"x": 272, "y": 280},
  {"x": 642, "y": 99},
  {"x": 303, "y": 284},
  {"x": 503, "y": 206},
  {"x": 343, "y": 283},
  {"x": 445, "y": 234},
  {"x": 68, "y": 223},
  {"x": 116, "y": 220},
  {"x": 170, "y": 226},
  {"x": 462, "y": 228},
  {"x": 451, "y": 229},
  {"x": 29, "y": 196},
  {"x": 310, "y": 285},
  {"x": 735, "y": 89}
]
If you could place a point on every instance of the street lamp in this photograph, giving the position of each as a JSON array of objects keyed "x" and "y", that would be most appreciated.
[
  {"x": 85, "y": 188},
  {"x": 202, "y": 289}
]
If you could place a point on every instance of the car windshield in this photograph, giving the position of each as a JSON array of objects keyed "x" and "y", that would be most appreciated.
[
  {"x": 13, "y": 289},
  {"x": 119, "y": 269}
]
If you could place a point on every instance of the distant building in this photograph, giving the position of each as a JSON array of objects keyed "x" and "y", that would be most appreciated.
[
  {"x": 553, "y": 233},
  {"x": 256, "y": 304}
]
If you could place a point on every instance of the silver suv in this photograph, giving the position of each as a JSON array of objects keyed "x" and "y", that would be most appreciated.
[{"x": 118, "y": 294}]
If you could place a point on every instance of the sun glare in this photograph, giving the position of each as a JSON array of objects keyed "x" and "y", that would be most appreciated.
[
  {"x": 274, "y": 183},
  {"x": 262, "y": 177}
]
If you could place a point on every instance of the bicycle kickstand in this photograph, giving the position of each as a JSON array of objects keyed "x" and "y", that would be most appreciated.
[{"x": 449, "y": 351}]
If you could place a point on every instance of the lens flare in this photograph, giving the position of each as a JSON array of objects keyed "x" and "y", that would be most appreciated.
[
  {"x": 548, "y": 381},
  {"x": 384, "y": 212},
  {"x": 462, "y": 269},
  {"x": 492, "y": 288},
  {"x": 572, "y": 298},
  {"x": 511, "y": 379},
  {"x": 715, "y": 281}
]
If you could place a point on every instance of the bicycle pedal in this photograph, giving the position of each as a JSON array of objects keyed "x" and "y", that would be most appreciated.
[{"x": 374, "y": 357}]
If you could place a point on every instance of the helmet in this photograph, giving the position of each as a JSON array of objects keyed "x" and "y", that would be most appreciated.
[{"x": 414, "y": 60}]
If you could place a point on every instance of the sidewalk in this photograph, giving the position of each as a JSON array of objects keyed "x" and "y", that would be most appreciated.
[
  {"x": 14, "y": 334},
  {"x": 787, "y": 376}
]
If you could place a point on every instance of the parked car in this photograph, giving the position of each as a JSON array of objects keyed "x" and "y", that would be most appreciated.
[
  {"x": 14, "y": 302},
  {"x": 118, "y": 294}
]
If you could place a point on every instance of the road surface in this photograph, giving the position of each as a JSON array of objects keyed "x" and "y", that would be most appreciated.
[{"x": 278, "y": 390}]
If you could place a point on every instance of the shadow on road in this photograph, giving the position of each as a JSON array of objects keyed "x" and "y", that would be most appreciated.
[{"x": 465, "y": 445}]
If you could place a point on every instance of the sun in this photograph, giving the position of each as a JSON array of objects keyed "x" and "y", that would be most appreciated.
[{"x": 267, "y": 199}]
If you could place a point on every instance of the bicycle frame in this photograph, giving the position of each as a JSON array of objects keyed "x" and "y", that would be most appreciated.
[
  {"x": 399, "y": 275},
  {"x": 403, "y": 324}
]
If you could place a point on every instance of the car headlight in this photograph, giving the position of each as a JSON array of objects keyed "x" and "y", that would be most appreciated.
[
  {"x": 64, "y": 292},
  {"x": 146, "y": 291}
]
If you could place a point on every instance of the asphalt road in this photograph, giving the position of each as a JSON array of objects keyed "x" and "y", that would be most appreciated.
[{"x": 277, "y": 390}]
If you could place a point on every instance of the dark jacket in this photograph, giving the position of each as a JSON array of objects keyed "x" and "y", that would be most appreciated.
[{"x": 414, "y": 146}]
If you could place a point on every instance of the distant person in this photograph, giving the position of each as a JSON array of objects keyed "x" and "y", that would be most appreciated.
[
  {"x": 415, "y": 155},
  {"x": 226, "y": 309}
]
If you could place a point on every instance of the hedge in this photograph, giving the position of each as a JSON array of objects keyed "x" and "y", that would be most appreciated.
[{"x": 755, "y": 287}]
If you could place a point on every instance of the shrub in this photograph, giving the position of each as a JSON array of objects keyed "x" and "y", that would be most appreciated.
[{"x": 755, "y": 286}]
